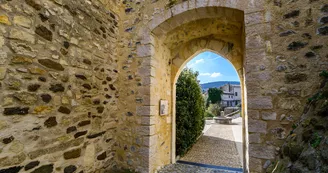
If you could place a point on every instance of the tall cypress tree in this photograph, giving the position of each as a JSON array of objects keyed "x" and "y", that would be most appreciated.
[{"x": 190, "y": 111}]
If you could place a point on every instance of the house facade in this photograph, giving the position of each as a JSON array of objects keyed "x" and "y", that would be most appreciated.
[{"x": 231, "y": 96}]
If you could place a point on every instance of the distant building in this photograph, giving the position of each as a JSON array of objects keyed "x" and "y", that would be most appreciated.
[{"x": 231, "y": 96}]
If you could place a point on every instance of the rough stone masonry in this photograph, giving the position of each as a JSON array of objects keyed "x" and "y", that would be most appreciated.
[{"x": 81, "y": 80}]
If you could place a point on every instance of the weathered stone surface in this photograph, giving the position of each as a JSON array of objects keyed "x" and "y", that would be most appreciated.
[
  {"x": 51, "y": 64},
  {"x": 44, "y": 169},
  {"x": 57, "y": 88},
  {"x": 269, "y": 116},
  {"x": 286, "y": 33},
  {"x": 79, "y": 134},
  {"x": 44, "y": 32},
  {"x": 254, "y": 138},
  {"x": 102, "y": 156},
  {"x": 260, "y": 103},
  {"x": 324, "y": 8},
  {"x": 72, "y": 154},
  {"x": 95, "y": 135},
  {"x": 16, "y": 111},
  {"x": 3, "y": 71},
  {"x": 89, "y": 156},
  {"x": 15, "y": 169},
  {"x": 70, "y": 169},
  {"x": 296, "y": 45},
  {"x": 50, "y": 122},
  {"x": 8, "y": 140},
  {"x": 59, "y": 147},
  {"x": 295, "y": 77},
  {"x": 22, "y": 21},
  {"x": 71, "y": 129},
  {"x": 257, "y": 126},
  {"x": 21, "y": 60},
  {"x": 33, "y": 4},
  {"x": 26, "y": 98},
  {"x": 31, "y": 165},
  {"x": 46, "y": 98},
  {"x": 80, "y": 76},
  {"x": 33, "y": 87},
  {"x": 292, "y": 14},
  {"x": 4, "y": 20},
  {"x": 323, "y": 30},
  {"x": 324, "y": 20},
  {"x": 64, "y": 110},
  {"x": 22, "y": 35},
  {"x": 84, "y": 123},
  {"x": 262, "y": 151}
]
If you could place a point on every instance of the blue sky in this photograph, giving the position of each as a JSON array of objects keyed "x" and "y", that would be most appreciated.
[{"x": 212, "y": 67}]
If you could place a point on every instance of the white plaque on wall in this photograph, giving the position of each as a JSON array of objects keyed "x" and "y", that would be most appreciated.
[{"x": 164, "y": 107}]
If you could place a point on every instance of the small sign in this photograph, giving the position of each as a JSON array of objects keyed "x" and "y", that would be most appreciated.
[{"x": 164, "y": 107}]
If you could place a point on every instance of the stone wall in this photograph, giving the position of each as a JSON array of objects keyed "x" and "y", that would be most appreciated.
[
  {"x": 81, "y": 80},
  {"x": 284, "y": 51},
  {"x": 58, "y": 73}
]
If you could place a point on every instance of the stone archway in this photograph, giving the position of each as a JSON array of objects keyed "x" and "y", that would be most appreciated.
[{"x": 172, "y": 37}]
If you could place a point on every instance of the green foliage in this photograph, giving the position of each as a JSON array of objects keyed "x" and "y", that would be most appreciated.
[
  {"x": 190, "y": 111},
  {"x": 208, "y": 114},
  {"x": 315, "y": 141},
  {"x": 324, "y": 74},
  {"x": 214, "y": 95},
  {"x": 214, "y": 109}
]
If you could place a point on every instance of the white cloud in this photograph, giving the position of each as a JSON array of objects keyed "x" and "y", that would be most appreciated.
[
  {"x": 190, "y": 65},
  {"x": 205, "y": 74},
  {"x": 213, "y": 75},
  {"x": 199, "y": 61}
]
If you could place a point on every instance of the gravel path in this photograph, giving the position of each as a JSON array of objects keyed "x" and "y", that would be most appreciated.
[{"x": 216, "y": 147}]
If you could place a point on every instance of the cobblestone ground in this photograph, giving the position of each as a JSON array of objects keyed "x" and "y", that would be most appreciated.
[
  {"x": 184, "y": 168},
  {"x": 216, "y": 147}
]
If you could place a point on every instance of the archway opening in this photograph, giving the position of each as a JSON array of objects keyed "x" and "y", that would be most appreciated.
[{"x": 219, "y": 141}]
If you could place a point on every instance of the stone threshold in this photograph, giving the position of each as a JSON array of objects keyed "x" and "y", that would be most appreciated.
[{"x": 221, "y": 168}]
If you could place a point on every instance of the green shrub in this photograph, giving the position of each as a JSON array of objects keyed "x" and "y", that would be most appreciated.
[
  {"x": 214, "y": 109},
  {"x": 208, "y": 114},
  {"x": 190, "y": 111}
]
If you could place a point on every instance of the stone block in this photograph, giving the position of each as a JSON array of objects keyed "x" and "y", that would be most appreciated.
[
  {"x": 257, "y": 126},
  {"x": 253, "y": 114},
  {"x": 147, "y": 110},
  {"x": 255, "y": 138},
  {"x": 4, "y": 20},
  {"x": 89, "y": 156},
  {"x": 255, "y": 165},
  {"x": 261, "y": 151},
  {"x": 22, "y": 21},
  {"x": 260, "y": 102},
  {"x": 254, "y": 18},
  {"x": 22, "y": 35},
  {"x": 269, "y": 116},
  {"x": 145, "y": 50}
]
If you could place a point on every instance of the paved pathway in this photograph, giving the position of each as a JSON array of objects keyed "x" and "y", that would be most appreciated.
[{"x": 218, "y": 146}]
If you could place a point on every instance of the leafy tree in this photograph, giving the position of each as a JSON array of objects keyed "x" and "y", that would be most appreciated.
[
  {"x": 214, "y": 95},
  {"x": 190, "y": 111}
]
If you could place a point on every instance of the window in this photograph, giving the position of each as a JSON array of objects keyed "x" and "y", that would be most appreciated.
[{"x": 236, "y": 94}]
